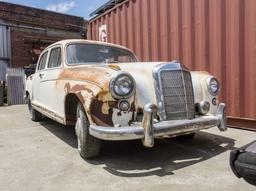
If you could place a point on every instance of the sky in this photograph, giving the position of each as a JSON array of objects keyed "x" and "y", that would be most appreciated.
[{"x": 80, "y": 8}]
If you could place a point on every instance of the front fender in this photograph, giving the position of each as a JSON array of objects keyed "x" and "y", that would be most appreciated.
[
  {"x": 101, "y": 108},
  {"x": 201, "y": 92},
  {"x": 104, "y": 110},
  {"x": 85, "y": 92}
]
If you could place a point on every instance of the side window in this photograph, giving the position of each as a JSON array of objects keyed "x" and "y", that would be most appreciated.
[
  {"x": 55, "y": 58},
  {"x": 42, "y": 61}
]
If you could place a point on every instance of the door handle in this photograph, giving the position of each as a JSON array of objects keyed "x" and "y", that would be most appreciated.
[{"x": 41, "y": 75}]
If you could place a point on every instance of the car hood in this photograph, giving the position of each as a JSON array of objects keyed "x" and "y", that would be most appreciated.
[{"x": 99, "y": 74}]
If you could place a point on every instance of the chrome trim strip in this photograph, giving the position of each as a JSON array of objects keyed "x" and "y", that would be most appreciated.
[
  {"x": 185, "y": 93},
  {"x": 50, "y": 114},
  {"x": 150, "y": 111},
  {"x": 221, "y": 113}
]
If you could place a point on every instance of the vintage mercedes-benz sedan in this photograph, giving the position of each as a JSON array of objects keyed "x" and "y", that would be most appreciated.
[{"x": 103, "y": 91}]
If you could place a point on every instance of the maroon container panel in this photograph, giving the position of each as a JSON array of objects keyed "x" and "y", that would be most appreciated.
[{"x": 218, "y": 36}]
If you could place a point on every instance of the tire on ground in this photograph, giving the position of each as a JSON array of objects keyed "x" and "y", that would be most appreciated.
[
  {"x": 88, "y": 146},
  {"x": 34, "y": 114}
]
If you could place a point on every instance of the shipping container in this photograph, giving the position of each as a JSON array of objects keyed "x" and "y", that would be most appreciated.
[{"x": 218, "y": 36}]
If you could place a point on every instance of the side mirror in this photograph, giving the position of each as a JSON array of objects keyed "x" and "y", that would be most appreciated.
[{"x": 243, "y": 162}]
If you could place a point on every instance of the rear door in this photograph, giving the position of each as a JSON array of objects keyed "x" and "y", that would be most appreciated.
[{"x": 37, "y": 78}]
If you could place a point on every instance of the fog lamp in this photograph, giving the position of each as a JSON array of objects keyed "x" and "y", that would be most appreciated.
[
  {"x": 124, "y": 105},
  {"x": 203, "y": 107}
]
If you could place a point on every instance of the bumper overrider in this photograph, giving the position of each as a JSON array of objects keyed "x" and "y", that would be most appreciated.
[{"x": 148, "y": 130}]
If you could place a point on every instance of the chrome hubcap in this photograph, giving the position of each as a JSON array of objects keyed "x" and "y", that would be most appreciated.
[{"x": 78, "y": 132}]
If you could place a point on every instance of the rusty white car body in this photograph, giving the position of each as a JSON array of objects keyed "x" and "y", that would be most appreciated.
[{"x": 157, "y": 99}]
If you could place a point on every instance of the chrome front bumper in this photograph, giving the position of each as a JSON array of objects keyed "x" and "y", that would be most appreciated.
[{"x": 148, "y": 130}]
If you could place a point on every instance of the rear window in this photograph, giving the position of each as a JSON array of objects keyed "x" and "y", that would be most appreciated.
[
  {"x": 42, "y": 62},
  {"x": 55, "y": 58}
]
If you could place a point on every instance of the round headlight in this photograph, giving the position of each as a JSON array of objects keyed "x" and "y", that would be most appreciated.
[
  {"x": 213, "y": 86},
  {"x": 122, "y": 85}
]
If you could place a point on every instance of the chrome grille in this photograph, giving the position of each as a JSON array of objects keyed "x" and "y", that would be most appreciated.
[{"x": 178, "y": 96}]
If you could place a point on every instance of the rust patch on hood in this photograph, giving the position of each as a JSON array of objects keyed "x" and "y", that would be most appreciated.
[{"x": 114, "y": 66}]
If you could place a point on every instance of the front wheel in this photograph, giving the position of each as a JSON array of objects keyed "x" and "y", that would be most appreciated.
[
  {"x": 250, "y": 180},
  {"x": 88, "y": 146},
  {"x": 34, "y": 114}
]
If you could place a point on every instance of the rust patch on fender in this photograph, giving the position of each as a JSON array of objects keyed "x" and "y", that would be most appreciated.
[
  {"x": 100, "y": 117},
  {"x": 96, "y": 75},
  {"x": 101, "y": 108},
  {"x": 77, "y": 88},
  {"x": 133, "y": 110}
]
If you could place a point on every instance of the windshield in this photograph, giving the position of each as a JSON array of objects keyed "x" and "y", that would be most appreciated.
[{"x": 92, "y": 53}]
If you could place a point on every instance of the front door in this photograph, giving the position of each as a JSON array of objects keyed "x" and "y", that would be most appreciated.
[{"x": 51, "y": 97}]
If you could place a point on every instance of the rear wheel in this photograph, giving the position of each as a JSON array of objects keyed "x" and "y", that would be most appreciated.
[
  {"x": 88, "y": 146},
  {"x": 34, "y": 114}
]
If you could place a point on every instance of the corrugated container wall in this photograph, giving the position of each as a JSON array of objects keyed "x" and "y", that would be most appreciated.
[{"x": 218, "y": 36}]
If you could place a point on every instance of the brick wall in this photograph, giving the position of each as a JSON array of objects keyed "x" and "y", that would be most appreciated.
[
  {"x": 33, "y": 29},
  {"x": 37, "y": 17}
]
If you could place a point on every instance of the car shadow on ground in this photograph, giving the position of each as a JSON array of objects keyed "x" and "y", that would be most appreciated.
[
  {"x": 65, "y": 133},
  {"x": 131, "y": 159}
]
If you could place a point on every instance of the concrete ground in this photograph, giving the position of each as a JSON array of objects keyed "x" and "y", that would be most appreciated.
[{"x": 43, "y": 156}]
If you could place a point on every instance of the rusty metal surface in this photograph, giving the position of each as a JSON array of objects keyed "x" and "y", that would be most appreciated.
[
  {"x": 213, "y": 35},
  {"x": 242, "y": 123}
]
